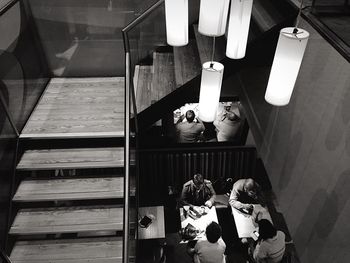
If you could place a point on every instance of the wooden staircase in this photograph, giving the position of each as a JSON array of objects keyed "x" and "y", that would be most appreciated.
[{"x": 68, "y": 203}]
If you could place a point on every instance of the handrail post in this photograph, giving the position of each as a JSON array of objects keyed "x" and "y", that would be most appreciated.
[{"x": 126, "y": 161}]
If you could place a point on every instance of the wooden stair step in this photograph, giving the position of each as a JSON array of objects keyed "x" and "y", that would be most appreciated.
[
  {"x": 205, "y": 46},
  {"x": 187, "y": 63},
  {"x": 84, "y": 250},
  {"x": 69, "y": 108},
  {"x": 77, "y": 158},
  {"x": 59, "y": 220},
  {"x": 71, "y": 189},
  {"x": 163, "y": 82},
  {"x": 144, "y": 87}
]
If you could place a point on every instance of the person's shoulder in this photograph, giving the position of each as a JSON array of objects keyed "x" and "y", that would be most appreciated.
[
  {"x": 188, "y": 184},
  {"x": 207, "y": 182},
  {"x": 281, "y": 235}
]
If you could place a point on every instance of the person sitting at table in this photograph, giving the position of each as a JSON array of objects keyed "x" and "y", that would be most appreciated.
[
  {"x": 246, "y": 192},
  {"x": 271, "y": 244},
  {"x": 189, "y": 131},
  {"x": 211, "y": 249},
  {"x": 227, "y": 128},
  {"x": 198, "y": 192}
]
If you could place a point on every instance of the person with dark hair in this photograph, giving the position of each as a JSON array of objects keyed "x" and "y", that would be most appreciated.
[
  {"x": 228, "y": 127},
  {"x": 271, "y": 243},
  {"x": 211, "y": 249},
  {"x": 246, "y": 192},
  {"x": 188, "y": 131},
  {"x": 198, "y": 192}
]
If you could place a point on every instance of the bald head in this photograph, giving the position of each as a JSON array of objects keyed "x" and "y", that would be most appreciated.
[{"x": 250, "y": 187}]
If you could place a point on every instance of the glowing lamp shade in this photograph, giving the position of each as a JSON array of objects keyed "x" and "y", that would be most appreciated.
[
  {"x": 286, "y": 64},
  {"x": 238, "y": 28},
  {"x": 213, "y": 17},
  {"x": 176, "y": 20},
  {"x": 210, "y": 90}
]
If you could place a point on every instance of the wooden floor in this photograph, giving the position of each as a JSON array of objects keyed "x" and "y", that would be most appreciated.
[{"x": 79, "y": 108}]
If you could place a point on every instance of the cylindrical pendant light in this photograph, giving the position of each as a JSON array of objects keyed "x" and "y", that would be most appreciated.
[
  {"x": 176, "y": 19},
  {"x": 286, "y": 64},
  {"x": 238, "y": 28},
  {"x": 209, "y": 96},
  {"x": 213, "y": 17}
]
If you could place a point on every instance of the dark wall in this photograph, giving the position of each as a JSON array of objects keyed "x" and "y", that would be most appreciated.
[
  {"x": 305, "y": 147},
  {"x": 173, "y": 167}
]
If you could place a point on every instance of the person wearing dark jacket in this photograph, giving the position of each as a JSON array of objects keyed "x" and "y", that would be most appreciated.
[{"x": 198, "y": 192}]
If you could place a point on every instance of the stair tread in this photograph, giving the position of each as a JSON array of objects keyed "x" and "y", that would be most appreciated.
[
  {"x": 70, "y": 189},
  {"x": 144, "y": 88},
  {"x": 77, "y": 158},
  {"x": 67, "y": 220},
  {"x": 84, "y": 250},
  {"x": 205, "y": 45},
  {"x": 70, "y": 107},
  {"x": 163, "y": 82},
  {"x": 187, "y": 63}
]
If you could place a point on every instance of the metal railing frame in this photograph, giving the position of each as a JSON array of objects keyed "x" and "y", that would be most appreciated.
[{"x": 130, "y": 96}]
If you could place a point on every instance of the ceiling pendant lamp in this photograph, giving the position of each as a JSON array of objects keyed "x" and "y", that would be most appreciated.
[
  {"x": 209, "y": 96},
  {"x": 286, "y": 64},
  {"x": 176, "y": 19},
  {"x": 213, "y": 17},
  {"x": 238, "y": 28}
]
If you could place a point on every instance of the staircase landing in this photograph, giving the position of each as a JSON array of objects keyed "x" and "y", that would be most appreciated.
[{"x": 79, "y": 108}]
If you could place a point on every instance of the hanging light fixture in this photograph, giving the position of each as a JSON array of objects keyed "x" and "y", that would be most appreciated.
[
  {"x": 176, "y": 19},
  {"x": 209, "y": 97},
  {"x": 213, "y": 17},
  {"x": 289, "y": 54},
  {"x": 238, "y": 28}
]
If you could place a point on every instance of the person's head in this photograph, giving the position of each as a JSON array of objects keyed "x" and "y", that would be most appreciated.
[
  {"x": 232, "y": 116},
  {"x": 266, "y": 229},
  {"x": 198, "y": 180},
  {"x": 190, "y": 115},
  {"x": 213, "y": 232},
  {"x": 250, "y": 187}
]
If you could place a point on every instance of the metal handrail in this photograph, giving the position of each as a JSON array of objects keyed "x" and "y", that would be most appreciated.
[
  {"x": 130, "y": 95},
  {"x": 137, "y": 21},
  {"x": 4, "y": 257},
  {"x": 7, "y": 6}
]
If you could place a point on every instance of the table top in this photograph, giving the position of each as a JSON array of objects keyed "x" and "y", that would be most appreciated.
[
  {"x": 156, "y": 229},
  {"x": 245, "y": 224},
  {"x": 200, "y": 223}
]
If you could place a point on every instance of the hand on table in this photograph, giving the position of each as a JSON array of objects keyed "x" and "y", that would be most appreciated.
[{"x": 208, "y": 204}]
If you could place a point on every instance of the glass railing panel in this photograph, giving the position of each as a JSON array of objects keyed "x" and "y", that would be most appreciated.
[
  {"x": 8, "y": 144},
  {"x": 82, "y": 37},
  {"x": 22, "y": 66}
]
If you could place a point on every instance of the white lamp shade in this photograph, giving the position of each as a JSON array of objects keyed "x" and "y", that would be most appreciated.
[
  {"x": 176, "y": 19},
  {"x": 286, "y": 64},
  {"x": 210, "y": 90},
  {"x": 213, "y": 17},
  {"x": 238, "y": 28}
]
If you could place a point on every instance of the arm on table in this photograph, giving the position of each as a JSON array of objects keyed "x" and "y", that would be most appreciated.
[
  {"x": 233, "y": 201},
  {"x": 184, "y": 197},
  {"x": 212, "y": 194}
]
